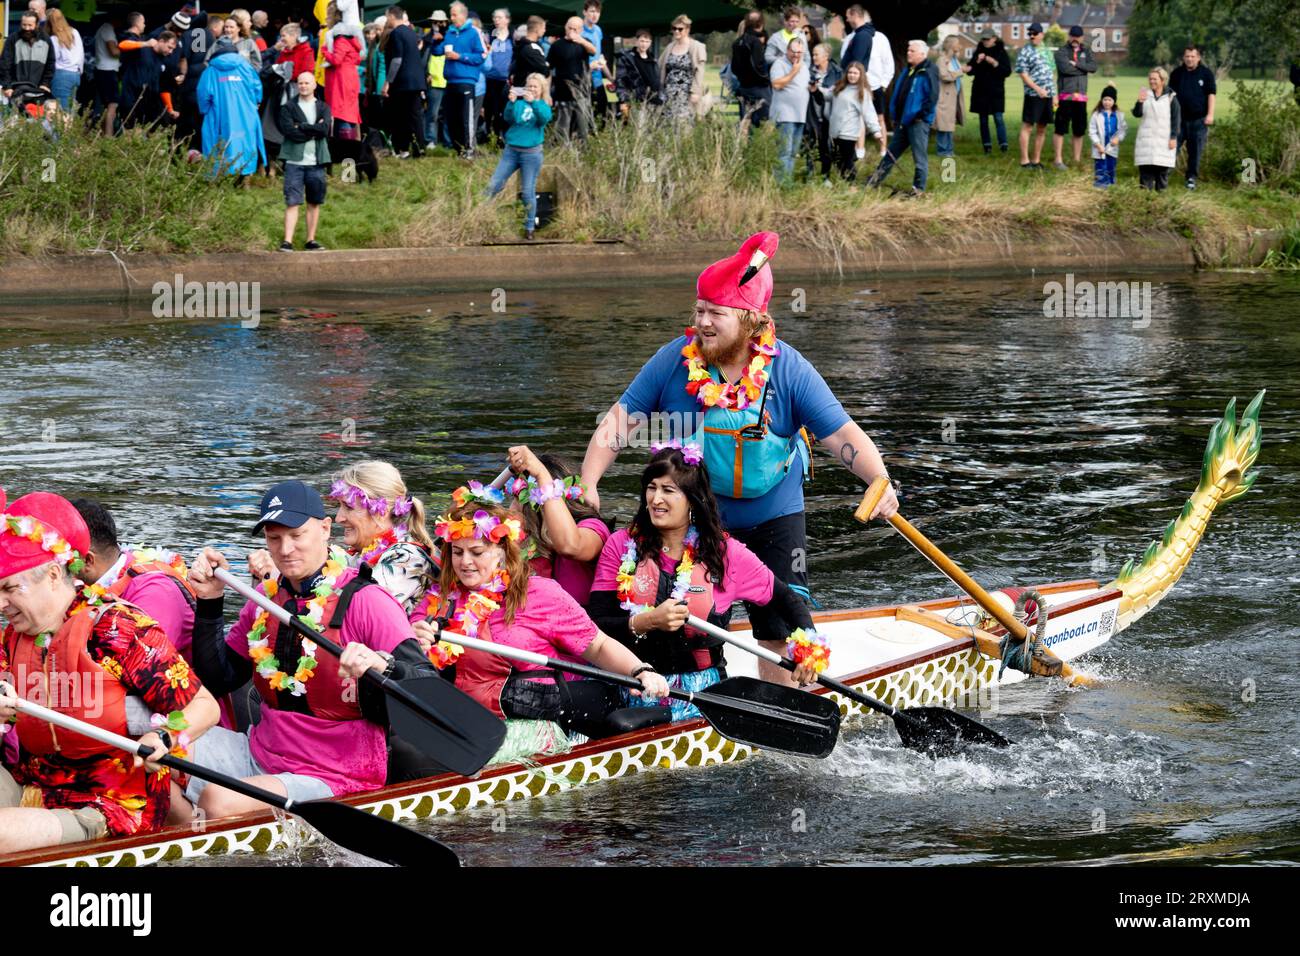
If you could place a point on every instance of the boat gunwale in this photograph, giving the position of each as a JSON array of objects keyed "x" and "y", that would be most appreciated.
[{"x": 427, "y": 785}]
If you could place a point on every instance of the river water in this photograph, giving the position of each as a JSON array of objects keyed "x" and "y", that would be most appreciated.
[{"x": 1032, "y": 449}]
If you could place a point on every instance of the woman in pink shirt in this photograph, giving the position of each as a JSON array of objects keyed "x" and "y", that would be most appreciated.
[
  {"x": 489, "y": 593},
  {"x": 567, "y": 533},
  {"x": 674, "y": 560}
]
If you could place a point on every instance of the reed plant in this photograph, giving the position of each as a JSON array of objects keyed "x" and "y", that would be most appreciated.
[{"x": 64, "y": 189}]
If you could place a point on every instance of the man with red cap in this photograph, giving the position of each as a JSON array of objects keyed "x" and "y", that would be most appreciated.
[
  {"x": 751, "y": 400},
  {"x": 82, "y": 651}
]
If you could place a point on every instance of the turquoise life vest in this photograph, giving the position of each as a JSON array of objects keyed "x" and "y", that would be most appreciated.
[{"x": 745, "y": 458}]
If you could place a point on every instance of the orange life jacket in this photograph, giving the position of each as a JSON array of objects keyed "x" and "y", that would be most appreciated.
[
  {"x": 70, "y": 682},
  {"x": 137, "y": 568},
  {"x": 482, "y": 675},
  {"x": 671, "y": 653}
]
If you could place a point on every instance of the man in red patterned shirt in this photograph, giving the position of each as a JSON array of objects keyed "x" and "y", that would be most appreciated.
[{"x": 81, "y": 651}]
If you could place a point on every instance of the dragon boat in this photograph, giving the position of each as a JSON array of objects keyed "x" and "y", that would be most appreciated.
[{"x": 942, "y": 651}]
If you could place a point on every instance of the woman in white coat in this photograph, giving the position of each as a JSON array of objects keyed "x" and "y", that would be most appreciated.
[{"x": 1156, "y": 147}]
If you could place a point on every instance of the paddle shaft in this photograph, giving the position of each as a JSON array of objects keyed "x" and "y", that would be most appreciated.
[
  {"x": 759, "y": 650},
  {"x": 500, "y": 480},
  {"x": 596, "y": 673},
  {"x": 386, "y": 684},
  {"x": 940, "y": 560},
  {"x": 144, "y": 750}
]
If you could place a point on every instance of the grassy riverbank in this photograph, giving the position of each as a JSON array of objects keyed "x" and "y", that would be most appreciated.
[{"x": 643, "y": 182}]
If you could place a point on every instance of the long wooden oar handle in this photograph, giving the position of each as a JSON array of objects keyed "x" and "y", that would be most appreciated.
[
  {"x": 938, "y": 558},
  {"x": 870, "y": 498},
  {"x": 958, "y": 576}
]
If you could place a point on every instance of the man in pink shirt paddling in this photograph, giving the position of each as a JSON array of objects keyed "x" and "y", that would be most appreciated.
[{"x": 322, "y": 732}]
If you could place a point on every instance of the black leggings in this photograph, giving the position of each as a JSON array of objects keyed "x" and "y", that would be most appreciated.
[{"x": 846, "y": 157}]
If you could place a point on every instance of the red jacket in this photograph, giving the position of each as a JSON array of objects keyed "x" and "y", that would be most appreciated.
[
  {"x": 342, "y": 82},
  {"x": 302, "y": 57}
]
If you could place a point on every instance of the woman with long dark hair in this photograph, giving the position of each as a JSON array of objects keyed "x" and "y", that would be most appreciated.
[
  {"x": 566, "y": 532},
  {"x": 674, "y": 560}
]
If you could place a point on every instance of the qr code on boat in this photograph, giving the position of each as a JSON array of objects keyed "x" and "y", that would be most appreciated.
[{"x": 1107, "y": 622}]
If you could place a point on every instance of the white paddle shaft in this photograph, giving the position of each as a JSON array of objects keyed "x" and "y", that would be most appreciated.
[
  {"x": 713, "y": 630},
  {"x": 513, "y": 653},
  {"x": 261, "y": 600},
  {"x": 78, "y": 726},
  {"x": 500, "y": 480}
]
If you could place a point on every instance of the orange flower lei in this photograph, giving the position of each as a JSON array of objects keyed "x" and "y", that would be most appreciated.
[
  {"x": 723, "y": 394},
  {"x": 259, "y": 649}
]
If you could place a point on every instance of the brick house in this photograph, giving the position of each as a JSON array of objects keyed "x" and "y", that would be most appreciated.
[{"x": 1105, "y": 25}]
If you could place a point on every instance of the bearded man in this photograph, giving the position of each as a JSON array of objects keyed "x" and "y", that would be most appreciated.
[{"x": 752, "y": 402}]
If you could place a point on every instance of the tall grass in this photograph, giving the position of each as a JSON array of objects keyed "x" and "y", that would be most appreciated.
[
  {"x": 63, "y": 190},
  {"x": 649, "y": 181}
]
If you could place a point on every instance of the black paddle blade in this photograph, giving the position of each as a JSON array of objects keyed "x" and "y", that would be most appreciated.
[
  {"x": 943, "y": 733},
  {"x": 373, "y": 836},
  {"x": 771, "y": 717},
  {"x": 456, "y": 730}
]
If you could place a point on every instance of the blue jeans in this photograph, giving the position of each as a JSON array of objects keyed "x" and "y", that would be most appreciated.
[
  {"x": 943, "y": 143},
  {"x": 791, "y": 135},
  {"x": 915, "y": 134},
  {"x": 64, "y": 88},
  {"x": 1104, "y": 171},
  {"x": 984, "y": 130},
  {"x": 529, "y": 164},
  {"x": 432, "y": 103}
]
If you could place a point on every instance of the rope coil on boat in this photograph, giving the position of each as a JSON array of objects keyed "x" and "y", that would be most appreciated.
[{"x": 1020, "y": 654}]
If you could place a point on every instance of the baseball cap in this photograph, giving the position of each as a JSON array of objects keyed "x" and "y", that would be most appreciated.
[
  {"x": 1076, "y": 31},
  {"x": 1035, "y": 28},
  {"x": 290, "y": 503}
]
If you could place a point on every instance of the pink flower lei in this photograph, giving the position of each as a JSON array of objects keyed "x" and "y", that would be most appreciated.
[{"x": 357, "y": 499}]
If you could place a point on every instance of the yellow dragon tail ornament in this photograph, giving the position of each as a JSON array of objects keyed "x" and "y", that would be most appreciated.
[{"x": 1231, "y": 450}]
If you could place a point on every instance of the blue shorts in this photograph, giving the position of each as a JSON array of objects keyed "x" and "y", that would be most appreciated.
[
  {"x": 226, "y": 751},
  {"x": 299, "y": 179}
]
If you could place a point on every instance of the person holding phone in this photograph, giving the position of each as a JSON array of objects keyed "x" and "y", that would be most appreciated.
[{"x": 526, "y": 115}]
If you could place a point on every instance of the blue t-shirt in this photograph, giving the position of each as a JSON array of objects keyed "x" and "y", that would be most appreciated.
[
  {"x": 800, "y": 399},
  {"x": 596, "y": 37}
]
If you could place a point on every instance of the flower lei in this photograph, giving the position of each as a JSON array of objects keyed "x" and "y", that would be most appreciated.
[
  {"x": 88, "y": 596},
  {"x": 375, "y": 550},
  {"x": 472, "y": 610},
  {"x": 356, "y": 498},
  {"x": 809, "y": 646},
  {"x": 709, "y": 393},
  {"x": 483, "y": 525},
  {"x": 161, "y": 556},
  {"x": 259, "y": 646},
  {"x": 528, "y": 492},
  {"x": 175, "y": 724},
  {"x": 682, "y": 579},
  {"x": 477, "y": 491},
  {"x": 25, "y": 526}
]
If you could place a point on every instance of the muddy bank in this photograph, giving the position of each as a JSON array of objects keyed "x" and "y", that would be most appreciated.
[{"x": 555, "y": 264}]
